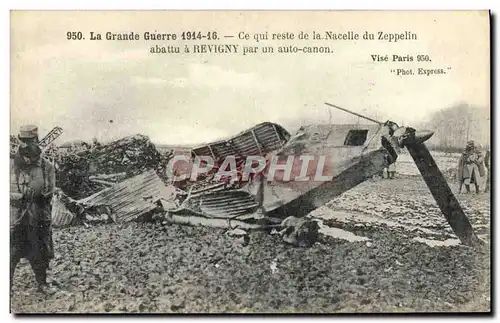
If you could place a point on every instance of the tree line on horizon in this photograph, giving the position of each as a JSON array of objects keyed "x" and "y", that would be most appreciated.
[{"x": 456, "y": 125}]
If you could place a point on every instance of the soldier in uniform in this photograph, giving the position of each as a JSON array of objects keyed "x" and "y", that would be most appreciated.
[
  {"x": 470, "y": 167},
  {"x": 487, "y": 163},
  {"x": 31, "y": 232}
]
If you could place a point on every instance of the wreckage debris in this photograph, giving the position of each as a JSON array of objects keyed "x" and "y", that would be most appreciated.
[
  {"x": 133, "y": 198},
  {"x": 259, "y": 140},
  {"x": 237, "y": 232},
  {"x": 67, "y": 211},
  {"x": 300, "y": 232},
  {"x": 131, "y": 155},
  {"x": 130, "y": 200},
  {"x": 61, "y": 216},
  {"x": 124, "y": 177},
  {"x": 240, "y": 236},
  {"x": 125, "y": 190},
  {"x": 89, "y": 171}
]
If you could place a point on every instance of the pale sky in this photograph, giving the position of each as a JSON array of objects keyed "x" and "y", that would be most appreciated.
[{"x": 186, "y": 99}]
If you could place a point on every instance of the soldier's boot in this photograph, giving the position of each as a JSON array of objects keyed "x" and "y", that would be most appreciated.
[{"x": 40, "y": 270}]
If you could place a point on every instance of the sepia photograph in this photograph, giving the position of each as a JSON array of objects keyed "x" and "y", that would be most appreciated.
[{"x": 250, "y": 162}]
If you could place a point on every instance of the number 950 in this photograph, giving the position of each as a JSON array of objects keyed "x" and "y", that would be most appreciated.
[{"x": 73, "y": 35}]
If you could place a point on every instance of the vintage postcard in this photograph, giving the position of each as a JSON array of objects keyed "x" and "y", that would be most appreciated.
[{"x": 250, "y": 162}]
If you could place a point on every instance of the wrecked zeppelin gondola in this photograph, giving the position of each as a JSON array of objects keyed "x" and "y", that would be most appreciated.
[{"x": 342, "y": 155}]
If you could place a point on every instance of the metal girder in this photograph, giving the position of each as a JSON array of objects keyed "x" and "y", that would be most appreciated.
[{"x": 51, "y": 136}]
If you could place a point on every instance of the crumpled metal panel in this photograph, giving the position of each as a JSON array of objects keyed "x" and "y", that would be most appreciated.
[
  {"x": 61, "y": 216},
  {"x": 131, "y": 198},
  {"x": 223, "y": 149},
  {"x": 225, "y": 204},
  {"x": 258, "y": 140},
  {"x": 269, "y": 137},
  {"x": 247, "y": 145},
  {"x": 203, "y": 151}
]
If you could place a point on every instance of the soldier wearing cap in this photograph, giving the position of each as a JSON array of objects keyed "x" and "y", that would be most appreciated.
[
  {"x": 28, "y": 133},
  {"x": 470, "y": 167},
  {"x": 31, "y": 232},
  {"x": 487, "y": 163}
]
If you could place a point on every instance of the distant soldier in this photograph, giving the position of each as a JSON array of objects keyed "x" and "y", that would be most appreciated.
[
  {"x": 487, "y": 163},
  {"x": 31, "y": 233},
  {"x": 470, "y": 167},
  {"x": 391, "y": 169}
]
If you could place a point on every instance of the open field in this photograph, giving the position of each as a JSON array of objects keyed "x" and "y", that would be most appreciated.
[{"x": 385, "y": 247}]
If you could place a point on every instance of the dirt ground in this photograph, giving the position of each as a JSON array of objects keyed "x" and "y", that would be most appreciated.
[{"x": 391, "y": 261}]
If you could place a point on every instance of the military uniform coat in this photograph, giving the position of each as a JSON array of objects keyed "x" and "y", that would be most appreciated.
[{"x": 31, "y": 232}]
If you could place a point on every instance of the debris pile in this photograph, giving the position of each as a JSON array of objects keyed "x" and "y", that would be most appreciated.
[
  {"x": 259, "y": 140},
  {"x": 87, "y": 172},
  {"x": 300, "y": 232},
  {"x": 131, "y": 155},
  {"x": 133, "y": 199},
  {"x": 125, "y": 181},
  {"x": 132, "y": 182},
  {"x": 67, "y": 211}
]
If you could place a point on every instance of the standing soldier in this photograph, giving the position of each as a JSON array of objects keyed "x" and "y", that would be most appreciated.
[
  {"x": 31, "y": 232},
  {"x": 470, "y": 167},
  {"x": 487, "y": 162}
]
